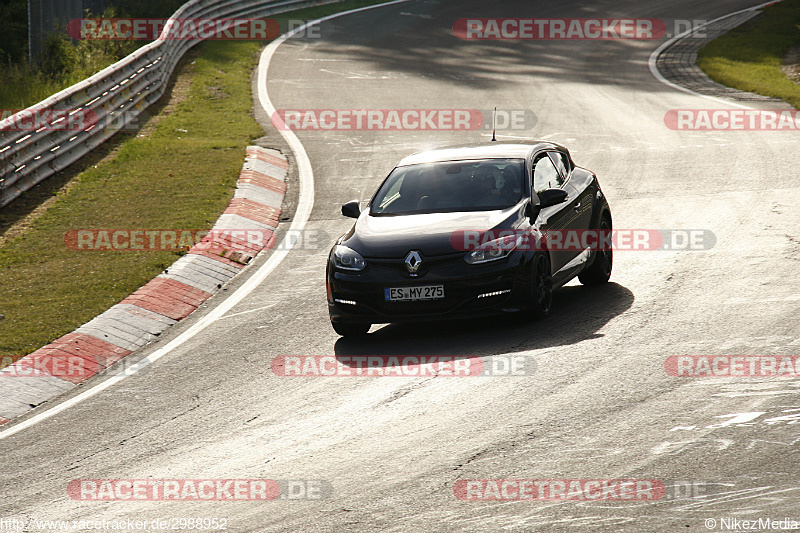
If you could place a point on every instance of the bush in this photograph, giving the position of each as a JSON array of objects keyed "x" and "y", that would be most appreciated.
[
  {"x": 63, "y": 61},
  {"x": 59, "y": 56}
]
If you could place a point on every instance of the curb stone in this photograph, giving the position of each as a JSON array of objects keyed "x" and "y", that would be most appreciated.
[
  {"x": 678, "y": 63},
  {"x": 168, "y": 298}
]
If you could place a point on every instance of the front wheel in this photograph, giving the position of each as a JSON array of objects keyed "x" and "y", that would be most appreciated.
[
  {"x": 350, "y": 330},
  {"x": 541, "y": 287},
  {"x": 600, "y": 270}
]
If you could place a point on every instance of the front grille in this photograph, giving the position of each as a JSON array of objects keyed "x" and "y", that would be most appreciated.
[{"x": 396, "y": 265}]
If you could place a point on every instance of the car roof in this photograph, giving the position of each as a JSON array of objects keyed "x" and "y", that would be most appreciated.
[{"x": 485, "y": 150}]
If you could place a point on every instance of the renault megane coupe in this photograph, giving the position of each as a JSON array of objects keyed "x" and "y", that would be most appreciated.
[{"x": 468, "y": 231}]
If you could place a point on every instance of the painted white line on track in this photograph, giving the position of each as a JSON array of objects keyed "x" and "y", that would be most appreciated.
[
  {"x": 257, "y": 309},
  {"x": 654, "y": 57},
  {"x": 304, "y": 207}
]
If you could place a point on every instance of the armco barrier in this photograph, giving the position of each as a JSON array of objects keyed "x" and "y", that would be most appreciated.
[{"x": 113, "y": 98}]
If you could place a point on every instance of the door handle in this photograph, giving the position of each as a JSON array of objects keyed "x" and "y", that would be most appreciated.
[{"x": 577, "y": 206}]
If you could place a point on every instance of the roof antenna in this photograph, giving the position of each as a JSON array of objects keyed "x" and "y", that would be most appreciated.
[{"x": 494, "y": 124}]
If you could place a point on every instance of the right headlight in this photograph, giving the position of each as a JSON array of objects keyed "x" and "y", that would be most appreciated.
[
  {"x": 347, "y": 258},
  {"x": 493, "y": 250}
]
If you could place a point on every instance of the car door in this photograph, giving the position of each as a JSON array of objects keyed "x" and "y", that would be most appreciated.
[
  {"x": 581, "y": 184},
  {"x": 557, "y": 218}
]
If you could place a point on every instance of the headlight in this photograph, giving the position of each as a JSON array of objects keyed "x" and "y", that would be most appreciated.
[
  {"x": 347, "y": 258},
  {"x": 493, "y": 250}
]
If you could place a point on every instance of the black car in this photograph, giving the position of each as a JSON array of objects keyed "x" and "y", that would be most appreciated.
[{"x": 464, "y": 232}]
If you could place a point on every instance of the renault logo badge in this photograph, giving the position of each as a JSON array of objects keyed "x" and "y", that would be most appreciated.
[{"x": 413, "y": 262}]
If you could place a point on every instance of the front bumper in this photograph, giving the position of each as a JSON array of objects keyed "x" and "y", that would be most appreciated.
[{"x": 469, "y": 290}]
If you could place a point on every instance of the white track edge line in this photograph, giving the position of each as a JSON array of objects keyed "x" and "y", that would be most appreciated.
[
  {"x": 304, "y": 207},
  {"x": 654, "y": 57}
]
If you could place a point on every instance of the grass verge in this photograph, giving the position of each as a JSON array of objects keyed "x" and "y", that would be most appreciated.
[
  {"x": 63, "y": 62},
  {"x": 180, "y": 176},
  {"x": 749, "y": 57}
]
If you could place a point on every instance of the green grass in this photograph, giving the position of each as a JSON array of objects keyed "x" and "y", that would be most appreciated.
[
  {"x": 168, "y": 180},
  {"x": 749, "y": 57},
  {"x": 24, "y": 85},
  {"x": 64, "y": 63}
]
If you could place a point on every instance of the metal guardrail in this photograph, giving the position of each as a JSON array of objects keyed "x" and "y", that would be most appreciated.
[{"x": 113, "y": 98}]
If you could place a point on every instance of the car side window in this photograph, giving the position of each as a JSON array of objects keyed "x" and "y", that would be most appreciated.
[
  {"x": 394, "y": 192},
  {"x": 562, "y": 164},
  {"x": 545, "y": 175}
]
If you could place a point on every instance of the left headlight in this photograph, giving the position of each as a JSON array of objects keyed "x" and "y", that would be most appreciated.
[
  {"x": 493, "y": 250},
  {"x": 347, "y": 258}
]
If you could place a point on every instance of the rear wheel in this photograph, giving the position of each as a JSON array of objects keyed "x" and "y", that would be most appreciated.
[
  {"x": 541, "y": 287},
  {"x": 600, "y": 269},
  {"x": 350, "y": 330}
]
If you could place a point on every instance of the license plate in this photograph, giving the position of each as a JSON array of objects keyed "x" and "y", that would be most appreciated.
[{"x": 408, "y": 294}]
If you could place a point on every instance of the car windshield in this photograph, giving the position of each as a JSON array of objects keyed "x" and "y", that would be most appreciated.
[{"x": 450, "y": 186}]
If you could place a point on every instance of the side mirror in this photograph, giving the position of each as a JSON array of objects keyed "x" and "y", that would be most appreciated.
[
  {"x": 532, "y": 211},
  {"x": 551, "y": 197},
  {"x": 351, "y": 209}
]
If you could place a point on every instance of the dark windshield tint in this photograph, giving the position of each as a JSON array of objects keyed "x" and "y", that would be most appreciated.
[{"x": 451, "y": 186}]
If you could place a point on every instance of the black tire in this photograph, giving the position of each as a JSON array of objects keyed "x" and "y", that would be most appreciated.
[
  {"x": 600, "y": 270},
  {"x": 541, "y": 298},
  {"x": 350, "y": 330}
]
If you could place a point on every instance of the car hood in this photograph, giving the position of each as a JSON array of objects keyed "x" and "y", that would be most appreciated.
[{"x": 431, "y": 233}]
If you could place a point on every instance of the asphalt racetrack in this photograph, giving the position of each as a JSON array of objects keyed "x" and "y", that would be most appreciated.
[{"x": 599, "y": 405}]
